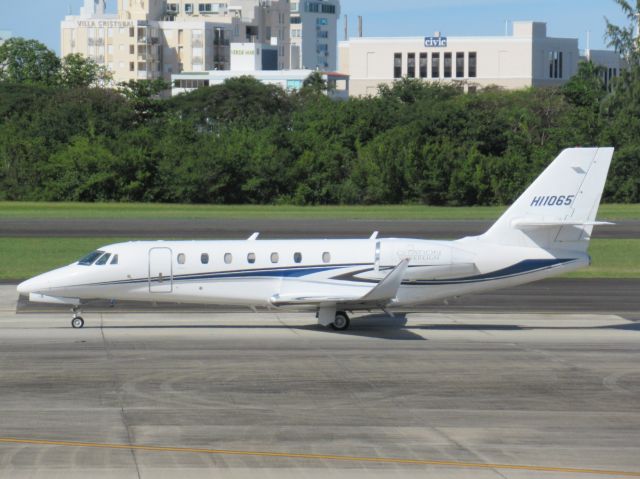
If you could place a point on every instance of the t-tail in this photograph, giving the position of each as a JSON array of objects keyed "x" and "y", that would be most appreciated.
[{"x": 558, "y": 211}]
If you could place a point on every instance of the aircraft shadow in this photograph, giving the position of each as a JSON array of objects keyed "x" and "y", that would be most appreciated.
[{"x": 371, "y": 326}]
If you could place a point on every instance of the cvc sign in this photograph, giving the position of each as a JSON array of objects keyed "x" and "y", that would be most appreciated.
[{"x": 435, "y": 42}]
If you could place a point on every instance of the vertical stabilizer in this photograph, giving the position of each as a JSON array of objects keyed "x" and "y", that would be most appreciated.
[{"x": 558, "y": 211}]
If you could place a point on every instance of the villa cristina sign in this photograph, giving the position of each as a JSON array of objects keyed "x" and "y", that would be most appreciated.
[
  {"x": 105, "y": 24},
  {"x": 435, "y": 42}
]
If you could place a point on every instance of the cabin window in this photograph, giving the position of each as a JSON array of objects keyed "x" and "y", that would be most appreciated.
[
  {"x": 297, "y": 257},
  {"x": 326, "y": 257},
  {"x": 90, "y": 258},
  {"x": 103, "y": 259},
  {"x": 228, "y": 258},
  {"x": 275, "y": 257},
  {"x": 182, "y": 259},
  {"x": 204, "y": 258},
  {"x": 251, "y": 258},
  {"x": 115, "y": 259}
]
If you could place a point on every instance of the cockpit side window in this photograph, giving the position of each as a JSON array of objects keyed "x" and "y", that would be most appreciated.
[
  {"x": 90, "y": 258},
  {"x": 115, "y": 259},
  {"x": 103, "y": 259}
]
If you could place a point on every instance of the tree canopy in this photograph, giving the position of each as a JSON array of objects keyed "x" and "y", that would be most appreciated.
[{"x": 63, "y": 136}]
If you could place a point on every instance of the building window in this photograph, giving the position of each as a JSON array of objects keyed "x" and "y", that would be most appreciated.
[
  {"x": 275, "y": 258},
  {"x": 132, "y": 66},
  {"x": 435, "y": 65},
  {"x": 204, "y": 8},
  {"x": 204, "y": 258},
  {"x": 555, "y": 65},
  {"x": 459, "y": 65},
  {"x": 182, "y": 259},
  {"x": 423, "y": 65},
  {"x": 447, "y": 65},
  {"x": 322, "y": 22},
  {"x": 411, "y": 65},
  {"x": 296, "y": 20},
  {"x": 132, "y": 49},
  {"x": 297, "y": 258},
  {"x": 473, "y": 64},
  {"x": 228, "y": 258},
  {"x": 560, "y": 73},
  {"x": 132, "y": 32},
  {"x": 397, "y": 65},
  {"x": 188, "y": 8}
]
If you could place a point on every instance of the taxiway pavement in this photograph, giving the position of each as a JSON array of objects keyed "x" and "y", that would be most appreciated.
[{"x": 490, "y": 395}]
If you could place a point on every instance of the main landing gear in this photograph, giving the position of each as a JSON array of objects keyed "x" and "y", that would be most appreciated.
[
  {"x": 341, "y": 321},
  {"x": 77, "y": 322}
]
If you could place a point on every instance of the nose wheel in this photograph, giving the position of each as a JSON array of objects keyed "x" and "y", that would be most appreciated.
[{"x": 77, "y": 322}]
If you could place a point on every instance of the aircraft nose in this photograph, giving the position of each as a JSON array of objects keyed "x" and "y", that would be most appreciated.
[{"x": 31, "y": 286}]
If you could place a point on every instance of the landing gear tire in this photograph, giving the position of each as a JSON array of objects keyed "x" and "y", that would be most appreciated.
[
  {"x": 77, "y": 322},
  {"x": 342, "y": 322}
]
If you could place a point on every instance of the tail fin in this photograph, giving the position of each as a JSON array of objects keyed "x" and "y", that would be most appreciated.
[{"x": 558, "y": 211}]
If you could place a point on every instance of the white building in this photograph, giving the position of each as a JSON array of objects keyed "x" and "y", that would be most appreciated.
[
  {"x": 526, "y": 58},
  {"x": 314, "y": 34},
  {"x": 290, "y": 80},
  {"x": 149, "y": 39},
  {"x": 4, "y": 36}
]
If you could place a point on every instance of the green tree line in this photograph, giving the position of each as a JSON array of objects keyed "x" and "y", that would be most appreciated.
[{"x": 63, "y": 137}]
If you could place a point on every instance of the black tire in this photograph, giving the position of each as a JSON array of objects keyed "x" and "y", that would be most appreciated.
[
  {"x": 342, "y": 322},
  {"x": 77, "y": 322}
]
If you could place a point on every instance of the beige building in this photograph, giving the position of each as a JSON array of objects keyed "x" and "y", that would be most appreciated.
[
  {"x": 150, "y": 39},
  {"x": 526, "y": 58}
]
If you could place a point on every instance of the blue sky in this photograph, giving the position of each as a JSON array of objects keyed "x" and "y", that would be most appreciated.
[{"x": 565, "y": 18}]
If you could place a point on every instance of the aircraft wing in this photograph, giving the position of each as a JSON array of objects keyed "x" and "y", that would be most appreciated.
[{"x": 379, "y": 296}]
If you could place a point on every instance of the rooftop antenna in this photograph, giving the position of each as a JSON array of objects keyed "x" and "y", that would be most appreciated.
[
  {"x": 346, "y": 28},
  {"x": 360, "y": 26}
]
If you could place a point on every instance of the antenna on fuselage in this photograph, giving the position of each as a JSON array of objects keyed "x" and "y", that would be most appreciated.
[
  {"x": 253, "y": 237},
  {"x": 374, "y": 235}
]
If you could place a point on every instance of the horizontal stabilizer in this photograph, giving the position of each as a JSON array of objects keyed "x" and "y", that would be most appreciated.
[{"x": 521, "y": 224}]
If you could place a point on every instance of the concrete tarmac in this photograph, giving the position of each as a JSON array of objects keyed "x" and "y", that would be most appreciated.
[
  {"x": 269, "y": 228},
  {"x": 490, "y": 395}
]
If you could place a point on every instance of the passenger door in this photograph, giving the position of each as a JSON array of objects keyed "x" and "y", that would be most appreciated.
[{"x": 160, "y": 270}]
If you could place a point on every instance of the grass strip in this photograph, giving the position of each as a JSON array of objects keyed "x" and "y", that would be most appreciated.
[
  {"x": 21, "y": 258},
  {"x": 27, "y": 210}
]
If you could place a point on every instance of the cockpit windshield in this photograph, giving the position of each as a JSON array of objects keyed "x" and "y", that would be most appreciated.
[{"x": 90, "y": 258}]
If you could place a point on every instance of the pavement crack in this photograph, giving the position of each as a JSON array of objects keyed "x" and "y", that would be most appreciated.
[{"x": 118, "y": 391}]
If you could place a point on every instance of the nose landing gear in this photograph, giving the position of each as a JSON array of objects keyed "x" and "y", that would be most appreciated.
[{"x": 77, "y": 322}]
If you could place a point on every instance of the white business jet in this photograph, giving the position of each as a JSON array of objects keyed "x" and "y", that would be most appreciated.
[{"x": 545, "y": 233}]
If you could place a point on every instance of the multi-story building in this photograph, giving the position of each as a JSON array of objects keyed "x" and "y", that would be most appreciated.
[
  {"x": 610, "y": 63},
  {"x": 149, "y": 39},
  {"x": 4, "y": 36},
  {"x": 526, "y": 58},
  {"x": 314, "y": 34}
]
